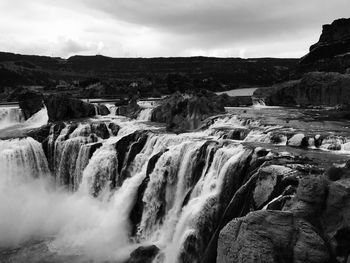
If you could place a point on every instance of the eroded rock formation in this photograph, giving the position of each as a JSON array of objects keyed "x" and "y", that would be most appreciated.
[
  {"x": 62, "y": 107},
  {"x": 182, "y": 112},
  {"x": 313, "y": 89}
]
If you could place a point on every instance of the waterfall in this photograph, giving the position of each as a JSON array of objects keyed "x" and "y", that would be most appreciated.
[
  {"x": 21, "y": 159},
  {"x": 145, "y": 114},
  {"x": 135, "y": 187},
  {"x": 258, "y": 103},
  {"x": 38, "y": 119},
  {"x": 112, "y": 109},
  {"x": 10, "y": 116}
]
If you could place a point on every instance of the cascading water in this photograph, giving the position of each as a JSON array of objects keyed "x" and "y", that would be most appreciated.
[
  {"x": 10, "y": 116},
  {"x": 91, "y": 192},
  {"x": 145, "y": 114}
]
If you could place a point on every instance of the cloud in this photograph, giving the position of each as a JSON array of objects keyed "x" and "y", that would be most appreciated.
[{"x": 170, "y": 28}]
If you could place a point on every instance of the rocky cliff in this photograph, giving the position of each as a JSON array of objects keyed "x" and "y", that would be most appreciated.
[
  {"x": 334, "y": 40},
  {"x": 310, "y": 226},
  {"x": 313, "y": 89},
  {"x": 183, "y": 112},
  {"x": 331, "y": 52}
]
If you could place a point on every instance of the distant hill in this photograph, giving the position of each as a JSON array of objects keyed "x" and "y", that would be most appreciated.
[{"x": 16, "y": 69}]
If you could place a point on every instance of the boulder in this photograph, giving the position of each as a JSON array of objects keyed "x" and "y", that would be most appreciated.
[
  {"x": 269, "y": 237},
  {"x": 336, "y": 218},
  {"x": 267, "y": 183},
  {"x": 63, "y": 107},
  {"x": 292, "y": 235},
  {"x": 298, "y": 140},
  {"x": 114, "y": 128},
  {"x": 131, "y": 110},
  {"x": 183, "y": 112},
  {"x": 100, "y": 129},
  {"x": 143, "y": 254},
  {"x": 102, "y": 109},
  {"x": 30, "y": 102}
]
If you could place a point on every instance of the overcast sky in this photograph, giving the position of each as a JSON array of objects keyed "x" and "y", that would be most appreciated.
[{"x": 149, "y": 28}]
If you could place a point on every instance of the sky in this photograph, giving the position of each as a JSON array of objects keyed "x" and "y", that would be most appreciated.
[{"x": 168, "y": 28}]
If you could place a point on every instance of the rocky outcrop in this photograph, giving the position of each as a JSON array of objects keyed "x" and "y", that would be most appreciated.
[
  {"x": 131, "y": 110},
  {"x": 102, "y": 109},
  {"x": 235, "y": 101},
  {"x": 271, "y": 236},
  {"x": 314, "y": 89},
  {"x": 334, "y": 40},
  {"x": 143, "y": 254},
  {"x": 312, "y": 226},
  {"x": 30, "y": 102},
  {"x": 62, "y": 107},
  {"x": 183, "y": 112}
]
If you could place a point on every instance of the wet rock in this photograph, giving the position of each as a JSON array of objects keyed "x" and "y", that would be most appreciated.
[
  {"x": 334, "y": 147},
  {"x": 102, "y": 109},
  {"x": 318, "y": 140},
  {"x": 132, "y": 110},
  {"x": 238, "y": 134},
  {"x": 334, "y": 173},
  {"x": 114, "y": 128},
  {"x": 40, "y": 134},
  {"x": 182, "y": 112},
  {"x": 143, "y": 254},
  {"x": 298, "y": 140},
  {"x": 30, "y": 102},
  {"x": 267, "y": 182},
  {"x": 63, "y": 107},
  {"x": 277, "y": 138},
  {"x": 336, "y": 218},
  {"x": 100, "y": 129},
  {"x": 271, "y": 236}
]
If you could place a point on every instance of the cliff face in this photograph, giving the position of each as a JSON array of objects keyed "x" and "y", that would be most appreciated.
[
  {"x": 313, "y": 89},
  {"x": 331, "y": 52},
  {"x": 322, "y": 76}
]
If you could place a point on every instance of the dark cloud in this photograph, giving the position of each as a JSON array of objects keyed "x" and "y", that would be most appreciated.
[
  {"x": 226, "y": 19},
  {"x": 168, "y": 27}
]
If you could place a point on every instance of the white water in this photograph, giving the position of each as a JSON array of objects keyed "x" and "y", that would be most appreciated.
[
  {"x": 145, "y": 114},
  {"x": 13, "y": 116},
  {"x": 10, "y": 116},
  {"x": 93, "y": 220}
]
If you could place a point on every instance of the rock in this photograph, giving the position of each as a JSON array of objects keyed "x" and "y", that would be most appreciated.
[
  {"x": 114, "y": 128},
  {"x": 143, "y": 254},
  {"x": 313, "y": 89},
  {"x": 102, "y": 109},
  {"x": 334, "y": 40},
  {"x": 230, "y": 101},
  {"x": 271, "y": 236},
  {"x": 334, "y": 147},
  {"x": 298, "y": 140},
  {"x": 334, "y": 173},
  {"x": 30, "y": 102},
  {"x": 100, "y": 129},
  {"x": 336, "y": 218},
  {"x": 183, "y": 112},
  {"x": 62, "y": 107},
  {"x": 131, "y": 110},
  {"x": 40, "y": 134},
  {"x": 267, "y": 182}
]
